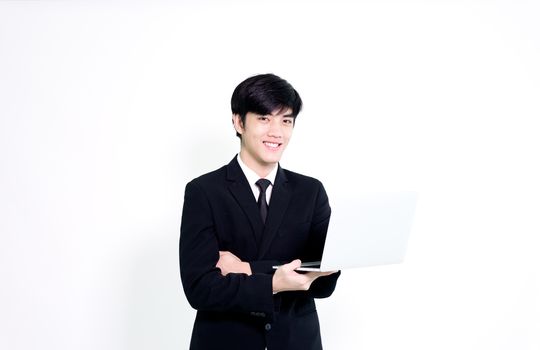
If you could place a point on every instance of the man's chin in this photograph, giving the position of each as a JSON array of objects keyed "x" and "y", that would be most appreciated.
[{"x": 273, "y": 159}]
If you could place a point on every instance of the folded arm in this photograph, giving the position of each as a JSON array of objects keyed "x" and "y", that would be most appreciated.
[
  {"x": 206, "y": 288},
  {"x": 284, "y": 279},
  {"x": 318, "y": 285}
]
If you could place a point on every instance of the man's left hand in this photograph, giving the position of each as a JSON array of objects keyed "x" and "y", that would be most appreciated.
[{"x": 230, "y": 263}]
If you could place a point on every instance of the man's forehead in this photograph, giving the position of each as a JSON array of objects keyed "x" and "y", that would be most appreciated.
[{"x": 282, "y": 112}]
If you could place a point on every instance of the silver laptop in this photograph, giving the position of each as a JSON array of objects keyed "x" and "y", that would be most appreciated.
[{"x": 369, "y": 229}]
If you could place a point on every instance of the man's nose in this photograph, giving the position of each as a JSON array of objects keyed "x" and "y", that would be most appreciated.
[{"x": 275, "y": 128}]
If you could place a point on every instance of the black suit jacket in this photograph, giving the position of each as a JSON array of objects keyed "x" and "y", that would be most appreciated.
[{"x": 239, "y": 311}]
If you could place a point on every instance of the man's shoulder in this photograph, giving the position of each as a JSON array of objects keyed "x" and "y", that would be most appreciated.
[
  {"x": 219, "y": 175},
  {"x": 301, "y": 179},
  {"x": 211, "y": 177}
]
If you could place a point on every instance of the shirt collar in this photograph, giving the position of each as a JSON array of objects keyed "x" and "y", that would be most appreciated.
[{"x": 252, "y": 176}]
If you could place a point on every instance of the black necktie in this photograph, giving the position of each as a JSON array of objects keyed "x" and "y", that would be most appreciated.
[{"x": 263, "y": 206}]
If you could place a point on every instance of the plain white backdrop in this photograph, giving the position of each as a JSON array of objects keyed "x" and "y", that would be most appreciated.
[{"x": 108, "y": 109}]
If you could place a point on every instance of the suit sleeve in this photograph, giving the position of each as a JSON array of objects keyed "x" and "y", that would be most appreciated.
[
  {"x": 204, "y": 286},
  {"x": 264, "y": 266},
  {"x": 322, "y": 287}
]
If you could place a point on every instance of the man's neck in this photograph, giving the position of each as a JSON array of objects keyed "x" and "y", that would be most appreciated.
[{"x": 260, "y": 169}]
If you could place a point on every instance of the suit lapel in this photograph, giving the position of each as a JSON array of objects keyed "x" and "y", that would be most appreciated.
[
  {"x": 281, "y": 195},
  {"x": 241, "y": 191}
]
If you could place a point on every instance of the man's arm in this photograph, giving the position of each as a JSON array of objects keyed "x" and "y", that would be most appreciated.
[
  {"x": 220, "y": 281},
  {"x": 323, "y": 287},
  {"x": 230, "y": 263},
  {"x": 319, "y": 285},
  {"x": 284, "y": 279},
  {"x": 204, "y": 285}
]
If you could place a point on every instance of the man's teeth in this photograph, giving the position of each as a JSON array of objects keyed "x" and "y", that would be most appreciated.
[{"x": 273, "y": 145}]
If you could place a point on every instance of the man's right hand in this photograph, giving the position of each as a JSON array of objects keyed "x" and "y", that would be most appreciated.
[{"x": 286, "y": 279}]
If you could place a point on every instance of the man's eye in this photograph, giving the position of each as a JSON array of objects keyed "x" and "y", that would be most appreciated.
[
  {"x": 288, "y": 121},
  {"x": 263, "y": 118}
]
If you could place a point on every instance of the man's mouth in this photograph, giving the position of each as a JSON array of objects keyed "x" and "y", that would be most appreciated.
[{"x": 272, "y": 145}]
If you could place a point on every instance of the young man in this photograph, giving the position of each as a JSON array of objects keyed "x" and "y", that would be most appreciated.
[{"x": 246, "y": 217}]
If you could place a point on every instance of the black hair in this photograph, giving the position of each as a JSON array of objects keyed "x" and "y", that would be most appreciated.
[{"x": 263, "y": 94}]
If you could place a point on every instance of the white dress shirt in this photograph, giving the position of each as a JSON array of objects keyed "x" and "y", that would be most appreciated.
[{"x": 252, "y": 178}]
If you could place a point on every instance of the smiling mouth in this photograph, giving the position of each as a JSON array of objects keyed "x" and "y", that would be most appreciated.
[{"x": 272, "y": 145}]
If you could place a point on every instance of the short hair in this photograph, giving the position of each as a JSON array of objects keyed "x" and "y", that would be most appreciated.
[{"x": 263, "y": 94}]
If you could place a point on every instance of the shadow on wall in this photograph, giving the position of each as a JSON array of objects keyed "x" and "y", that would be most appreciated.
[{"x": 158, "y": 315}]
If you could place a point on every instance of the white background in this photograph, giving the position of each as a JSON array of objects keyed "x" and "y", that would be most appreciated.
[{"x": 108, "y": 109}]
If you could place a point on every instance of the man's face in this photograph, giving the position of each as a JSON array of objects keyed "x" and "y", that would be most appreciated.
[{"x": 264, "y": 137}]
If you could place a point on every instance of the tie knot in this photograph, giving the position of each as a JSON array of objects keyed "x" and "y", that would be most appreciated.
[{"x": 263, "y": 184}]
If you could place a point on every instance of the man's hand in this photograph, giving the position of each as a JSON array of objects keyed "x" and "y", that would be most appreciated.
[
  {"x": 286, "y": 279},
  {"x": 230, "y": 263}
]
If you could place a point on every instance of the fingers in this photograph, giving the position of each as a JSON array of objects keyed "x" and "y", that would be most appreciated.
[
  {"x": 295, "y": 264},
  {"x": 224, "y": 253},
  {"x": 317, "y": 274},
  {"x": 326, "y": 273}
]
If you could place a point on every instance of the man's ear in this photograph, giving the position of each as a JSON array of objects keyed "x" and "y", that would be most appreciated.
[{"x": 237, "y": 123}]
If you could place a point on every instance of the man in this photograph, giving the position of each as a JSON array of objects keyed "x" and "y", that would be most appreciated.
[{"x": 246, "y": 217}]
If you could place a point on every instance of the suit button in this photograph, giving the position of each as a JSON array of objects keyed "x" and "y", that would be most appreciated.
[{"x": 268, "y": 326}]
